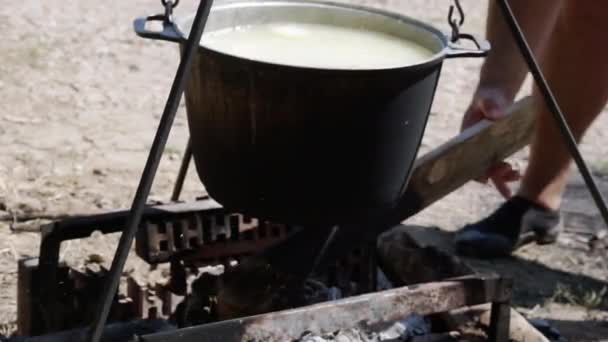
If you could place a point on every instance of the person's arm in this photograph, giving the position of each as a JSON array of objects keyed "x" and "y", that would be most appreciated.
[{"x": 504, "y": 69}]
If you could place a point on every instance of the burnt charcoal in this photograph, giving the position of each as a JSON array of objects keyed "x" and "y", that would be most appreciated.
[
  {"x": 199, "y": 306},
  {"x": 311, "y": 292},
  {"x": 546, "y": 329},
  {"x": 194, "y": 311},
  {"x": 317, "y": 292},
  {"x": 249, "y": 289},
  {"x": 206, "y": 285}
]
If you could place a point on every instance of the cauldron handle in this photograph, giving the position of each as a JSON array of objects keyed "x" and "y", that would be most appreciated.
[
  {"x": 454, "y": 50},
  {"x": 169, "y": 32}
]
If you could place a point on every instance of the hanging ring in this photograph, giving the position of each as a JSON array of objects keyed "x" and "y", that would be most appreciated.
[
  {"x": 173, "y": 3},
  {"x": 456, "y": 23},
  {"x": 169, "y": 6}
]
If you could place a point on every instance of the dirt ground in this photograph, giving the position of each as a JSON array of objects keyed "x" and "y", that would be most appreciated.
[{"x": 80, "y": 100}]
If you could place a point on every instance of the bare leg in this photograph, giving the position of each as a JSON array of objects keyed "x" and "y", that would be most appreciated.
[
  {"x": 576, "y": 67},
  {"x": 575, "y": 63},
  {"x": 504, "y": 70}
]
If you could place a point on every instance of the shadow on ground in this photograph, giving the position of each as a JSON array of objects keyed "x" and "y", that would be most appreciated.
[
  {"x": 581, "y": 331},
  {"x": 535, "y": 282}
]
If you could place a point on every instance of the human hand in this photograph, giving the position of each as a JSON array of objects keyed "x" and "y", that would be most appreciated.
[{"x": 490, "y": 104}]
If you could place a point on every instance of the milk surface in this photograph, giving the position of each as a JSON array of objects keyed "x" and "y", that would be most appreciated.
[{"x": 317, "y": 46}]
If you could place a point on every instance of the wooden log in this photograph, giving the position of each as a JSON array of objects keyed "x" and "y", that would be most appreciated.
[{"x": 406, "y": 261}]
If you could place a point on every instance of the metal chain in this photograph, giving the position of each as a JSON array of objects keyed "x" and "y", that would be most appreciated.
[
  {"x": 171, "y": 2},
  {"x": 169, "y": 6},
  {"x": 456, "y": 23}
]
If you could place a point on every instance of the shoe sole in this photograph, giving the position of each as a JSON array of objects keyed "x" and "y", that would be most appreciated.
[{"x": 496, "y": 246}]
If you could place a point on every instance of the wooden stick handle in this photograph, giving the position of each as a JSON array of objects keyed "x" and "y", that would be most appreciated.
[{"x": 466, "y": 157}]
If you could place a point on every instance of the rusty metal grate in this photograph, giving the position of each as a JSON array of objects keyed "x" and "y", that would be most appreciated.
[{"x": 206, "y": 237}]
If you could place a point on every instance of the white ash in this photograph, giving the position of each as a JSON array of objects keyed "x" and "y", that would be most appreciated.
[
  {"x": 413, "y": 325},
  {"x": 403, "y": 330},
  {"x": 350, "y": 335}
]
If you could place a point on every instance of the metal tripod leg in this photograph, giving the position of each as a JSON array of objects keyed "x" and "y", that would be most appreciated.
[
  {"x": 147, "y": 178},
  {"x": 183, "y": 171},
  {"x": 500, "y": 320}
]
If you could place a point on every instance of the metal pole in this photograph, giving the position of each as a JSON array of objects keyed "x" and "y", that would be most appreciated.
[
  {"x": 147, "y": 178},
  {"x": 554, "y": 108},
  {"x": 500, "y": 322},
  {"x": 183, "y": 171}
]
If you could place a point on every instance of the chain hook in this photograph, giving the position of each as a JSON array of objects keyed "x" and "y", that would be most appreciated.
[
  {"x": 169, "y": 6},
  {"x": 456, "y": 23}
]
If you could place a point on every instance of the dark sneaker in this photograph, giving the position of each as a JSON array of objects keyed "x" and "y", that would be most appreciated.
[{"x": 516, "y": 223}]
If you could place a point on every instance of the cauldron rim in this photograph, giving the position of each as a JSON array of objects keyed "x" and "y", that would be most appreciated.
[{"x": 440, "y": 49}]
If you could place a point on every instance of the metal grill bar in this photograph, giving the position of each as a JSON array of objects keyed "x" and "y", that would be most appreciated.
[{"x": 192, "y": 236}]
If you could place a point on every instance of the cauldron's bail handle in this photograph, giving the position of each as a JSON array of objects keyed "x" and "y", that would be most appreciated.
[
  {"x": 456, "y": 24},
  {"x": 454, "y": 49},
  {"x": 169, "y": 31}
]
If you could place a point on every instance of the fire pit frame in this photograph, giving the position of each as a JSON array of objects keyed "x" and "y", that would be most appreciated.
[
  {"x": 367, "y": 310},
  {"x": 363, "y": 311}
]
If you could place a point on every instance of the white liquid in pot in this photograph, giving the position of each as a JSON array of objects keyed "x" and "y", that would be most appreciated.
[{"x": 317, "y": 46}]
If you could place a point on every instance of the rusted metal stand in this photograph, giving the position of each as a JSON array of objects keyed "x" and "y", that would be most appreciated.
[
  {"x": 500, "y": 321},
  {"x": 196, "y": 234}
]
